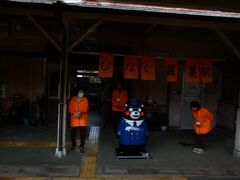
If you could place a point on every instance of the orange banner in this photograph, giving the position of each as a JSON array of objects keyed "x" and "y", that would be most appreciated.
[
  {"x": 171, "y": 68},
  {"x": 192, "y": 73},
  {"x": 130, "y": 67},
  {"x": 148, "y": 68},
  {"x": 206, "y": 71},
  {"x": 105, "y": 65}
]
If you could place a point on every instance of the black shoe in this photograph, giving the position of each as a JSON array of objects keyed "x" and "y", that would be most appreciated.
[{"x": 81, "y": 150}]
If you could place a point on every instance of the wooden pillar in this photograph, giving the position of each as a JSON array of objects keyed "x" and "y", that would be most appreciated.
[
  {"x": 236, "y": 151},
  {"x": 62, "y": 106}
]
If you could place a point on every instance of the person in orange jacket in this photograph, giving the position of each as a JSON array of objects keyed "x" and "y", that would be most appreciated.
[
  {"x": 203, "y": 120},
  {"x": 78, "y": 108},
  {"x": 119, "y": 98}
]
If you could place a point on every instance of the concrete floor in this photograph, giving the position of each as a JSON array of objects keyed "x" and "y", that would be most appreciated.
[
  {"x": 30, "y": 151},
  {"x": 169, "y": 159}
]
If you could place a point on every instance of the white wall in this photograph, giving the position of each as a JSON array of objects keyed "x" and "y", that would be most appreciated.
[{"x": 157, "y": 89}]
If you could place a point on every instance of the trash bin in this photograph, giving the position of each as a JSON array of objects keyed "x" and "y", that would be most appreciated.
[{"x": 152, "y": 117}]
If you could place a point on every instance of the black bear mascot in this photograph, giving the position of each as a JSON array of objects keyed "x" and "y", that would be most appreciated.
[{"x": 132, "y": 131}]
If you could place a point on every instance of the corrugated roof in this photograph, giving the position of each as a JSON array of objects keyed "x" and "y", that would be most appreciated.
[
  {"x": 35, "y": 1},
  {"x": 220, "y": 8}
]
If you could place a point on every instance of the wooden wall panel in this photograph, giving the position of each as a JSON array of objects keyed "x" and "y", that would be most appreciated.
[{"x": 22, "y": 75}]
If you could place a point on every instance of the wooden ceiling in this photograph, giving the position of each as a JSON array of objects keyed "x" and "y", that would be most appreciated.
[{"x": 37, "y": 28}]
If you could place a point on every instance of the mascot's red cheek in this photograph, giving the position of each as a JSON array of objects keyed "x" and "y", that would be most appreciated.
[
  {"x": 127, "y": 113},
  {"x": 142, "y": 114}
]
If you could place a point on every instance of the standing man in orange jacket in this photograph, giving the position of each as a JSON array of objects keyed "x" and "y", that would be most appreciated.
[
  {"x": 203, "y": 121},
  {"x": 78, "y": 108},
  {"x": 119, "y": 98}
]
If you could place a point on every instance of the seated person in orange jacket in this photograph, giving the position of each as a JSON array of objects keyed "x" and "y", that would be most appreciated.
[
  {"x": 203, "y": 121},
  {"x": 78, "y": 108}
]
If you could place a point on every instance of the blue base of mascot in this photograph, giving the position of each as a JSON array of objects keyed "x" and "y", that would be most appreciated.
[{"x": 132, "y": 131}]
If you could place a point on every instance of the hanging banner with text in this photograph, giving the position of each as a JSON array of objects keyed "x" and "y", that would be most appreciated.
[
  {"x": 171, "y": 68},
  {"x": 130, "y": 67},
  {"x": 192, "y": 73},
  {"x": 206, "y": 75},
  {"x": 105, "y": 65},
  {"x": 148, "y": 68}
]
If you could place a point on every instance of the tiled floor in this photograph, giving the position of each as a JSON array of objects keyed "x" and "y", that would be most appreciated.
[{"x": 88, "y": 167}]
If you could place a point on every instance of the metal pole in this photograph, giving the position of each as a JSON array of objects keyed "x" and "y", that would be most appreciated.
[
  {"x": 61, "y": 150},
  {"x": 236, "y": 151}
]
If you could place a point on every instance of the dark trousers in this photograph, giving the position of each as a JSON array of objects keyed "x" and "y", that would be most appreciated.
[
  {"x": 82, "y": 133},
  {"x": 201, "y": 140},
  {"x": 116, "y": 118}
]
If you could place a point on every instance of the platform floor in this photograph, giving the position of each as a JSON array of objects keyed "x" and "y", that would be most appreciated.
[{"x": 30, "y": 155}]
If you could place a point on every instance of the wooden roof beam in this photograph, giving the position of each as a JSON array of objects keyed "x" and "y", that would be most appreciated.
[
  {"x": 24, "y": 11},
  {"x": 44, "y": 32},
  {"x": 228, "y": 42},
  {"x": 171, "y": 21},
  {"x": 168, "y": 21},
  {"x": 91, "y": 29}
]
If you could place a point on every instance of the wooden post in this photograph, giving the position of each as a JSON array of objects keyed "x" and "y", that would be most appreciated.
[{"x": 236, "y": 150}]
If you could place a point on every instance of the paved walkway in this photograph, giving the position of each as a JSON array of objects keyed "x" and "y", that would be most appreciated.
[
  {"x": 169, "y": 157},
  {"x": 170, "y": 160},
  {"x": 88, "y": 165}
]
